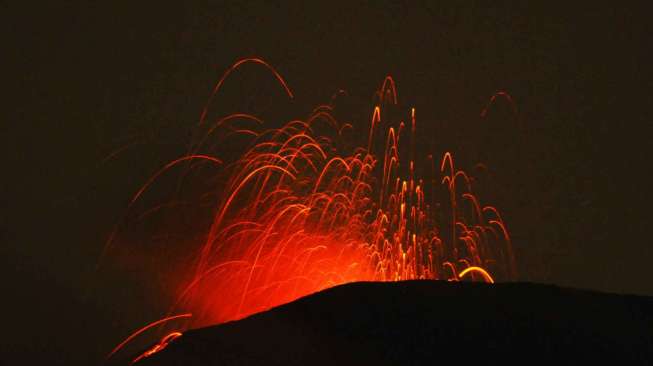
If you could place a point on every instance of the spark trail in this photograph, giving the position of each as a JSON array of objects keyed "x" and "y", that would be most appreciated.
[{"x": 304, "y": 208}]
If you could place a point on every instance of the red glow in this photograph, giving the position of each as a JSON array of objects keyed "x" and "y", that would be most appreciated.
[
  {"x": 163, "y": 343},
  {"x": 301, "y": 213},
  {"x": 145, "y": 328}
]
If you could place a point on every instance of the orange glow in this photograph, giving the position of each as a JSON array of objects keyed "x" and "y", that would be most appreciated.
[
  {"x": 149, "y": 326},
  {"x": 298, "y": 216},
  {"x": 301, "y": 211},
  {"x": 163, "y": 343},
  {"x": 480, "y": 270}
]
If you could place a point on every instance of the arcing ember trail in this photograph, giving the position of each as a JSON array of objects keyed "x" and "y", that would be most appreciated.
[{"x": 309, "y": 205}]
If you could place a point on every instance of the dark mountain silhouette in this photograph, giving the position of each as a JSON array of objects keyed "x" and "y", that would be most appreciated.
[{"x": 429, "y": 322}]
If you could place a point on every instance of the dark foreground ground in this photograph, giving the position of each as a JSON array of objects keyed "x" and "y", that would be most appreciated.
[{"x": 429, "y": 322}]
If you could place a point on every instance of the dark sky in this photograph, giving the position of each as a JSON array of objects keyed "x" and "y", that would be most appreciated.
[{"x": 571, "y": 170}]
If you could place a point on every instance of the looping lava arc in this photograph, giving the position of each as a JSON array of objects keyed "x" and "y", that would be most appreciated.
[
  {"x": 301, "y": 212},
  {"x": 305, "y": 208}
]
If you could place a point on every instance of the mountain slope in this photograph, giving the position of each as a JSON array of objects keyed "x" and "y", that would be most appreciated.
[{"x": 418, "y": 322}]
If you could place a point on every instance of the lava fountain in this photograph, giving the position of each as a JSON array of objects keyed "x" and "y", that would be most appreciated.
[{"x": 308, "y": 205}]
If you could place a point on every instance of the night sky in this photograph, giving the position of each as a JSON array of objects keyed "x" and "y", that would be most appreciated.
[{"x": 570, "y": 171}]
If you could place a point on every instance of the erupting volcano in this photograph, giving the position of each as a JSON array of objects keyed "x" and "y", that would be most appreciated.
[{"x": 317, "y": 202}]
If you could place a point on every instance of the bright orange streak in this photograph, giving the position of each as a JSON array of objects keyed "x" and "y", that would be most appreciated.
[
  {"x": 376, "y": 117},
  {"x": 218, "y": 220},
  {"x": 159, "y": 346},
  {"x": 480, "y": 270},
  {"x": 151, "y": 325}
]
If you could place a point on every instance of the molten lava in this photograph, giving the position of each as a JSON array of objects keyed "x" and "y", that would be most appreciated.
[{"x": 305, "y": 208}]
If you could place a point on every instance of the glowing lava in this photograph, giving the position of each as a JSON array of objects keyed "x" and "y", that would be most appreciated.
[{"x": 305, "y": 208}]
